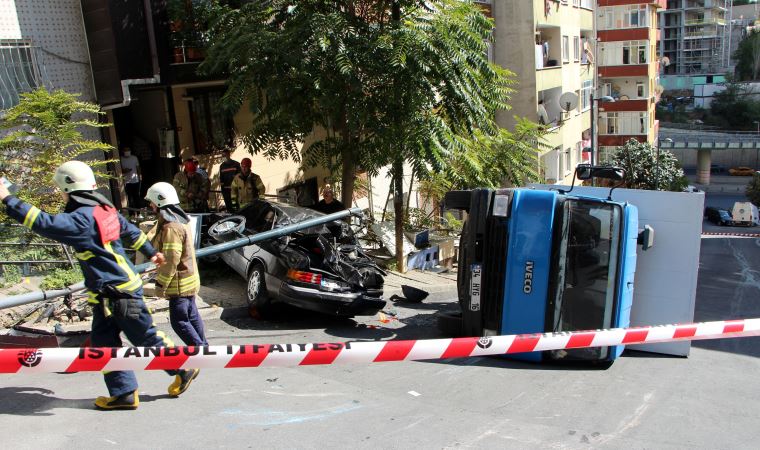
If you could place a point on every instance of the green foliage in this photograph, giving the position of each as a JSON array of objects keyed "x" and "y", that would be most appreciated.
[
  {"x": 417, "y": 89},
  {"x": 40, "y": 133},
  {"x": 60, "y": 278},
  {"x": 734, "y": 108},
  {"x": 747, "y": 57},
  {"x": 753, "y": 190},
  {"x": 9, "y": 275},
  {"x": 641, "y": 170}
]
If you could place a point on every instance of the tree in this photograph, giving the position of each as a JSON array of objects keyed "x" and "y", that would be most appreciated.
[
  {"x": 747, "y": 57},
  {"x": 39, "y": 134},
  {"x": 361, "y": 83},
  {"x": 641, "y": 169},
  {"x": 735, "y": 107},
  {"x": 308, "y": 72},
  {"x": 753, "y": 190}
]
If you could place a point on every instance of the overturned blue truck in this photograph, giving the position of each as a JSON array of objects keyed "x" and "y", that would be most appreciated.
[{"x": 535, "y": 261}]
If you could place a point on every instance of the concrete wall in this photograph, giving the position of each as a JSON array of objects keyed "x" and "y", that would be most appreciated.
[{"x": 726, "y": 158}]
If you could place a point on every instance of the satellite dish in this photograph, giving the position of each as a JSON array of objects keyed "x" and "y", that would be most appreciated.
[
  {"x": 665, "y": 61},
  {"x": 568, "y": 101}
]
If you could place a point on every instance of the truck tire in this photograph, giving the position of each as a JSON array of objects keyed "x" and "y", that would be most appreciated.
[
  {"x": 450, "y": 324},
  {"x": 457, "y": 200}
]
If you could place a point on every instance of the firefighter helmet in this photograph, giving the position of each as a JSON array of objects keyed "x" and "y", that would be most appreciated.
[
  {"x": 74, "y": 176},
  {"x": 162, "y": 194}
]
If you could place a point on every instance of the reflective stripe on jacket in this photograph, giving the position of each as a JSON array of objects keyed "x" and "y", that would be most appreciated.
[
  {"x": 246, "y": 189},
  {"x": 178, "y": 276}
]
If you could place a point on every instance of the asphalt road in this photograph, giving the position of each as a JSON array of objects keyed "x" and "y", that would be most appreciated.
[
  {"x": 726, "y": 201},
  {"x": 708, "y": 400}
]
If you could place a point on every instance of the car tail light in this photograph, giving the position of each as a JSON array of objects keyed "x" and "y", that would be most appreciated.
[{"x": 304, "y": 277}]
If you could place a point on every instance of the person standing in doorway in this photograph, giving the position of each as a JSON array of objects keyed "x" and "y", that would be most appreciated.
[
  {"x": 227, "y": 172},
  {"x": 177, "y": 279},
  {"x": 130, "y": 170}
]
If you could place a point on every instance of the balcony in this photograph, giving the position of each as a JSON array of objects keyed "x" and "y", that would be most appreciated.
[
  {"x": 548, "y": 78},
  {"x": 628, "y": 34},
  {"x": 706, "y": 4},
  {"x": 656, "y": 3},
  {"x": 638, "y": 105},
  {"x": 631, "y": 70},
  {"x": 705, "y": 21}
]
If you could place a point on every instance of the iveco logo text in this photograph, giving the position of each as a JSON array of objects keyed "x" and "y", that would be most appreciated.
[{"x": 528, "y": 283}]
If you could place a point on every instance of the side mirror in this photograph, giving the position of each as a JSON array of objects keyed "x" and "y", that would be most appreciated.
[
  {"x": 646, "y": 238},
  {"x": 583, "y": 172},
  {"x": 587, "y": 172}
]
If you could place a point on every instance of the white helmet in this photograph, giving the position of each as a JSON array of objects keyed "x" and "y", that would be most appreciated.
[
  {"x": 74, "y": 176},
  {"x": 162, "y": 194}
]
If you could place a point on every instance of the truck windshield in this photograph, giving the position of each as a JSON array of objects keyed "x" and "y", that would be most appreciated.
[{"x": 586, "y": 268}]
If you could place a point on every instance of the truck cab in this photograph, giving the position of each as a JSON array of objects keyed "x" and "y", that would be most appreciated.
[{"x": 536, "y": 261}]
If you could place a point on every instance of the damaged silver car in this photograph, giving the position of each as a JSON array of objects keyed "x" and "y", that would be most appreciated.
[{"x": 322, "y": 268}]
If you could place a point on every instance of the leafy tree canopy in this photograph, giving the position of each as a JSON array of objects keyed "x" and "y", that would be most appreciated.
[
  {"x": 747, "y": 57},
  {"x": 40, "y": 133},
  {"x": 641, "y": 169},
  {"x": 356, "y": 87}
]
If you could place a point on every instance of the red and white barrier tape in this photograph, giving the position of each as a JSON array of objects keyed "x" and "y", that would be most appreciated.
[{"x": 288, "y": 355}]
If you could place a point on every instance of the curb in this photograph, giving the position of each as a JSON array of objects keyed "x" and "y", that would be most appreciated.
[{"x": 747, "y": 235}]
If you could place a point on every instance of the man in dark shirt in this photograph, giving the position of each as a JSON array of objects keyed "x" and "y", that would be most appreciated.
[
  {"x": 329, "y": 204},
  {"x": 227, "y": 172}
]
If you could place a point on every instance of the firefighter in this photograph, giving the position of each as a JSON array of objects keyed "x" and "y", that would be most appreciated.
[
  {"x": 227, "y": 171},
  {"x": 93, "y": 227},
  {"x": 177, "y": 279},
  {"x": 246, "y": 186},
  {"x": 192, "y": 188}
]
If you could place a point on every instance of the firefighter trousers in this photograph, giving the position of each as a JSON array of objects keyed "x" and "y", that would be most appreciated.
[{"x": 138, "y": 326}]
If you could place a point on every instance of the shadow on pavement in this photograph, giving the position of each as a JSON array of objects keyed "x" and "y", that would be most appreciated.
[{"x": 35, "y": 401}]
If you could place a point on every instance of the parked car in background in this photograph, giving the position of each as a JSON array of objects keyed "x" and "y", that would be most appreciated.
[
  {"x": 745, "y": 213},
  {"x": 718, "y": 216},
  {"x": 741, "y": 171},
  {"x": 322, "y": 268}
]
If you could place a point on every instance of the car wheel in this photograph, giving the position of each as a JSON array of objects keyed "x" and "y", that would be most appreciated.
[
  {"x": 450, "y": 324},
  {"x": 259, "y": 302}
]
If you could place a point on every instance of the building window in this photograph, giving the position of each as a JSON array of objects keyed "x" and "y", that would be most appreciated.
[
  {"x": 624, "y": 52},
  {"x": 612, "y": 123},
  {"x": 212, "y": 127},
  {"x": 19, "y": 71},
  {"x": 568, "y": 161},
  {"x": 565, "y": 49},
  {"x": 576, "y": 48},
  {"x": 640, "y": 89},
  {"x": 550, "y": 165},
  {"x": 620, "y": 17},
  {"x": 586, "y": 91}
]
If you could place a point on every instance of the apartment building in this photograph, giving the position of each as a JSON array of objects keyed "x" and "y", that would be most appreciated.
[
  {"x": 42, "y": 43},
  {"x": 628, "y": 72},
  {"x": 547, "y": 44},
  {"x": 695, "y": 36}
]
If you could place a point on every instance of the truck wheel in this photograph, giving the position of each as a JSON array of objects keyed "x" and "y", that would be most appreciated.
[
  {"x": 450, "y": 324},
  {"x": 457, "y": 200},
  {"x": 259, "y": 303}
]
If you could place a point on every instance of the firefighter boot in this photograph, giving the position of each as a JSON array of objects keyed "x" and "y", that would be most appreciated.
[
  {"x": 182, "y": 381},
  {"x": 130, "y": 400}
]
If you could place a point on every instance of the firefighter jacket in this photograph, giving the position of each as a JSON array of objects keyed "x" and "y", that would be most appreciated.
[
  {"x": 246, "y": 189},
  {"x": 197, "y": 186},
  {"x": 178, "y": 276},
  {"x": 227, "y": 171},
  {"x": 96, "y": 234}
]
